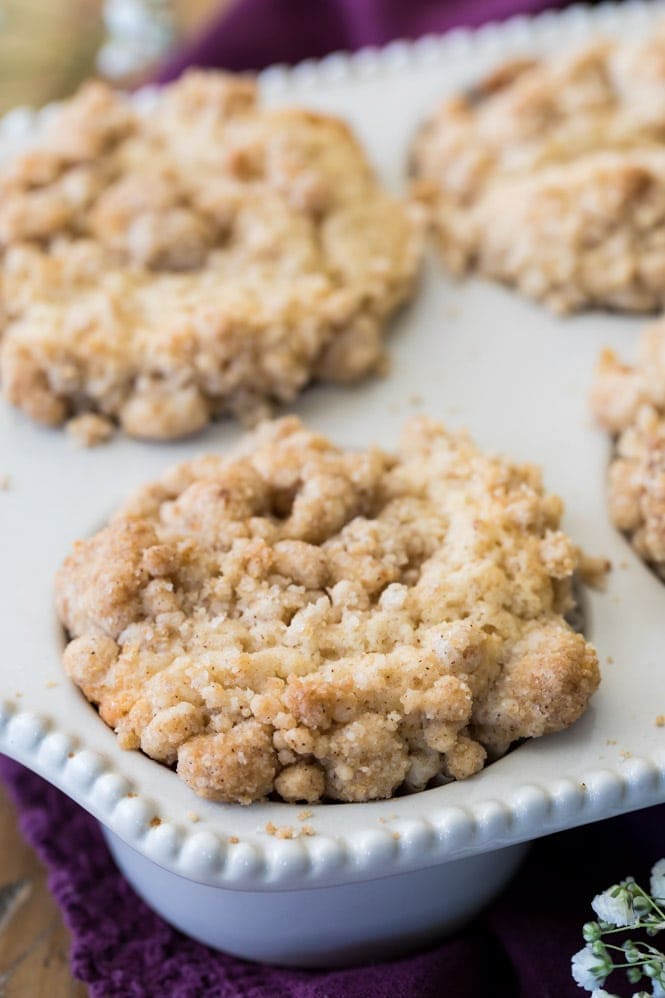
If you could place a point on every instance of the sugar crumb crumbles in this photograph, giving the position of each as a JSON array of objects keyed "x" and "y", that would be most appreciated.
[
  {"x": 628, "y": 401},
  {"x": 5, "y": 483},
  {"x": 233, "y": 840},
  {"x": 298, "y": 620},
  {"x": 304, "y": 815},
  {"x": 193, "y": 816},
  {"x": 89, "y": 429},
  {"x": 549, "y": 175},
  {"x": 209, "y": 258},
  {"x": 660, "y": 721},
  {"x": 279, "y": 831},
  {"x": 288, "y": 831}
]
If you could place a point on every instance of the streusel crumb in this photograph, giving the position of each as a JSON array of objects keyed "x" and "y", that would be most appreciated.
[
  {"x": 89, "y": 429},
  {"x": 550, "y": 175},
  {"x": 211, "y": 256},
  {"x": 300, "y": 620},
  {"x": 629, "y": 402}
]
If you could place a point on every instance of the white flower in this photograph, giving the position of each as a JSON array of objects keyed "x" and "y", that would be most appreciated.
[
  {"x": 601, "y": 993},
  {"x": 658, "y": 880},
  {"x": 587, "y": 969},
  {"x": 615, "y": 910}
]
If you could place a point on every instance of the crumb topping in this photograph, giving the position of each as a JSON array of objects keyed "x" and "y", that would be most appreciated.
[
  {"x": 298, "y": 620},
  {"x": 550, "y": 175},
  {"x": 209, "y": 257},
  {"x": 629, "y": 402}
]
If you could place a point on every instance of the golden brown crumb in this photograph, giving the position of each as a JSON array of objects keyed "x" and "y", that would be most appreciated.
[
  {"x": 629, "y": 402},
  {"x": 550, "y": 175},
  {"x": 660, "y": 721},
  {"x": 307, "y": 830},
  {"x": 396, "y": 835},
  {"x": 304, "y": 815},
  {"x": 5, "y": 483},
  {"x": 625, "y": 754},
  {"x": 211, "y": 257},
  {"x": 611, "y": 741},
  {"x": 280, "y": 831},
  {"x": 89, "y": 429},
  {"x": 593, "y": 570},
  {"x": 50, "y": 684},
  {"x": 609, "y": 660},
  {"x": 155, "y": 822},
  {"x": 297, "y": 619},
  {"x": 193, "y": 816},
  {"x": 233, "y": 840}
]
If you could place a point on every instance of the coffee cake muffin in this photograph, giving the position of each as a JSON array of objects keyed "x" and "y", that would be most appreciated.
[
  {"x": 550, "y": 175},
  {"x": 629, "y": 402},
  {"x": 211, "y": 256},
  {"x": 298, "y": 620}
]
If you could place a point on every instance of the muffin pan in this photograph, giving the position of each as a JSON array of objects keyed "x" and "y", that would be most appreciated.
[{"x": 372, "y": 877}]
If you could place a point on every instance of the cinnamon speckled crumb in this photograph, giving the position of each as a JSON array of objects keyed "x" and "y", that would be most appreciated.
[
  {"x": 89, "y": 429},
  {"x": 212, "y": 257},
  {"x": 628, "y": 400},
  {"x": 318, "y": 623},
  {"x": 593, "y": 571},
  {"x": 550, "y": 175},
  {"x": 279, "y": 831}
]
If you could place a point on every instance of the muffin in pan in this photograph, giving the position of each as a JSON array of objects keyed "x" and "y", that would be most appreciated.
[
  {"x": 549, "y": 175},
  {"x": 314, "y": 623},
  {"x": 211, "y": 256},
  {"x": 629, "y": 402}
]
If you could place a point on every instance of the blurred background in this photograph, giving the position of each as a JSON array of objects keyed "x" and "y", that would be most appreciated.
[{"x": 48, "y": 46}]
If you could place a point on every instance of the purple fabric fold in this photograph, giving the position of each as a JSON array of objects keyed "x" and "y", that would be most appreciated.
[
  {"x": 519, "y": 948},
  {"x": 256, "y": 33}
]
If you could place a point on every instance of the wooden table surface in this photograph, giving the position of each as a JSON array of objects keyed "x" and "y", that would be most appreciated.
[
  {"x": 37, "y": 65},
  {"x": 34, "y": 943}
]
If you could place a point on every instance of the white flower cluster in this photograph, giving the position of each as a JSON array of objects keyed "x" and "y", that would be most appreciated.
[{"x": 621, "y": 907}]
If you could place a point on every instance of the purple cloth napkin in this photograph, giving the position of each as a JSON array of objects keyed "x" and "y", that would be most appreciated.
[
  {"x": 256, "y": 33},
  {"x": 519, "y": 948}
]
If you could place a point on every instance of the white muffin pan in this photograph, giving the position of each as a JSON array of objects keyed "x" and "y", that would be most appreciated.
[{"x": 378, "y": 876}]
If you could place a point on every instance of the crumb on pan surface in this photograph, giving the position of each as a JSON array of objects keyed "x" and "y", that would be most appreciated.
[
  {"x": 210, "y": 257},
  {"x": 629, "y": 402},
  {"x": 550, "y": 176},
  {"x": 299, "y": 620}
]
